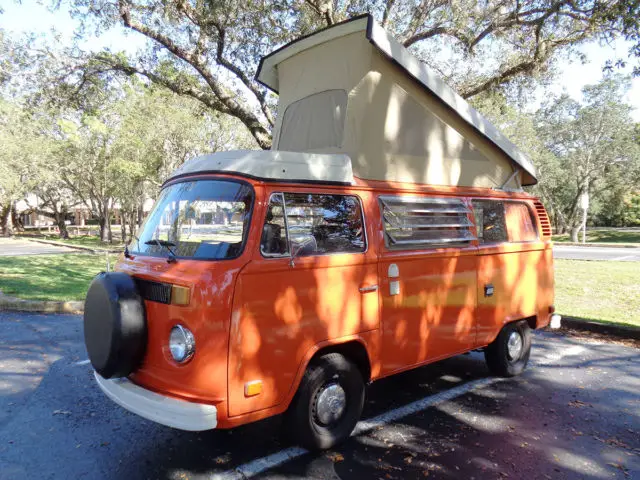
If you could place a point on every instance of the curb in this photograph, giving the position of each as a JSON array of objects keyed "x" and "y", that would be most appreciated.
[
  {"x": 595, "y": 245},
  {"x": 77, "y": 247},
  {"x": 618, "y": 331},
  {"x": 15, "y": 304}
]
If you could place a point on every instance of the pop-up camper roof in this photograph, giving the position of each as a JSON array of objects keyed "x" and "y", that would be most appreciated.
[{"x": 353, "y": 89}]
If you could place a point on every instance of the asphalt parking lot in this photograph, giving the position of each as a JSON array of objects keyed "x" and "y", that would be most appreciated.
[{"x": 575, "y": 413}]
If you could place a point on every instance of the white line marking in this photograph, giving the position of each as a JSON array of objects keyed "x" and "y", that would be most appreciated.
[
  {"x": 626, "y": 257},
  {"x": 260, "y": 465},
  {"x": 82, "y": 362}
]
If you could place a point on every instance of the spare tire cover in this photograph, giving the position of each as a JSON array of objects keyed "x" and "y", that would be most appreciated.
[{"x": 115, "y": 330}]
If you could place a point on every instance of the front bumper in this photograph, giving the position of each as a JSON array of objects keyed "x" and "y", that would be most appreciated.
[{"x": 159, "y": 408}]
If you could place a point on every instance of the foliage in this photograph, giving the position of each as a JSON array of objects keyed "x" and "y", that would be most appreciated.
[
  {"x": 209, "y": 51},
  {"x": 594, "y": 145}
]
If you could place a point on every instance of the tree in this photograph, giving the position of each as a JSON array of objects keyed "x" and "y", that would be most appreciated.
[
  {"x": 19, "y": 142},
  {"x": 594, "y": 144},
  {"x": 209, "y": 51},
  {"x": 118, "y": 155}
]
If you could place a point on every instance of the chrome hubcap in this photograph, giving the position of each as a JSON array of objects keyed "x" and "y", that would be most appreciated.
[
  {"x": 330, "y": 403},
  {"x": 514, "y": 346}
]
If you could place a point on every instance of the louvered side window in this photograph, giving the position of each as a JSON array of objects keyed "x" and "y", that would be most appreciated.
[{"x": 425, "y": 222}]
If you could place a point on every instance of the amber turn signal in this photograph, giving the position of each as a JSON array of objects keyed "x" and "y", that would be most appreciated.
[
  {"x": 179, "y": 295},
  {"x": 253, "y": 388}
]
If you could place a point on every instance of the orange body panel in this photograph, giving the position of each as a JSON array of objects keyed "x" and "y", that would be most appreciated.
[{"x": 263, "y": 319}]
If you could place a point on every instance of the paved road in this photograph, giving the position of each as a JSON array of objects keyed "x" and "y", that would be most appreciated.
[
  {"x": 574, "y": 414},
  {"x": 596, "y": 253},
  {"x": 10, "y": 247}
]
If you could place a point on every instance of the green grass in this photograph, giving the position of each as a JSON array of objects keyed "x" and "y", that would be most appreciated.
[
  {"x": 601, "y": 291},
  {"x": 604, "y": 236},
  {"x": 50, "y": 277},
  {"x": 85, "y": 241}
]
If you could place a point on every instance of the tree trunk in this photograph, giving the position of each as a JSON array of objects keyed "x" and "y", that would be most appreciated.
[
  {"x": 5, "y": 220},
  {"x": 123, "y": 227},
  {"x": 15, "y": 219},
  {"x": 105, "y": 229},
  {"x": 61, "y": 219},
  {"x": 132, "y": 222},
  {"x": 574, "y": 233}
]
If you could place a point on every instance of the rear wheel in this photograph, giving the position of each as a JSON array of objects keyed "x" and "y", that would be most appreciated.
[
  {"x": 508, "y": 355},
  {"x": 328, "y": 403}
]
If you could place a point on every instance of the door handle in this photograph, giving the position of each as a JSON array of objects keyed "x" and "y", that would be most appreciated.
[{"x": 372, "y": 288}]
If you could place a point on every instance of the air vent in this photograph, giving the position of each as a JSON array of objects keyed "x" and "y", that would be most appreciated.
[
  {"x": 426, "y": 222},
  {"x": 544, "y": 219},
  {"x": 154, "y": 291}
]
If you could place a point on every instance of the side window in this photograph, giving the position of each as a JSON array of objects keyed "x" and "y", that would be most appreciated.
[
  {"x": 314, "y": 224},
  {"x": 425, "y": 222},
  {"x": 274, "y": 232},
  {"x": 520, "y": 224},
  {"x": 500, "y": 221},
  {"x": 490, "y": 221}
]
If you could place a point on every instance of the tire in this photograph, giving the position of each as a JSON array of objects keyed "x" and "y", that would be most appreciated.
[
  {"x": 497, "y": 356},
  {"x": 115, "y": 327},
  {"x": 303, "y": 420}
]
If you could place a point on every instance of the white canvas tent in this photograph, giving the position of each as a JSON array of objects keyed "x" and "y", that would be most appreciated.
[{"x": 353, "y": 89}]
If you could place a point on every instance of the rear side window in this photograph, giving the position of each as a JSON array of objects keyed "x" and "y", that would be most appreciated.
[
  {"x": 312, "y": 224},
  {"x": 498, "y": 221},
  {"x": 425, "y": 222},
  {"x": 520, "y": 224}
]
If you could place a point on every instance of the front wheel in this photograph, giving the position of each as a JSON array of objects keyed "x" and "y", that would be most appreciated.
[
  {"x": 328, "y": 403},
  {"x": 508, "y": 355}
]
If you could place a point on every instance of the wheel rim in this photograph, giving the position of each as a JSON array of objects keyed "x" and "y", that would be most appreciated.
[
  {"x": 514, "y": 346},
  {"x": 330, "y": 403}
]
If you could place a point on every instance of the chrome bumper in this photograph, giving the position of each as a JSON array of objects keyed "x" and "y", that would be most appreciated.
[{"x": 159, "y": 408}]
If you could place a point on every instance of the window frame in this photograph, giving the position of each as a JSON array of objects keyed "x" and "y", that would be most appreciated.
[
  {"x": 504, "y": 202},
  {"x": 286, "y": 222},
  {"x": 196, "y": 178},
  {"x": 429, "y": 246}
]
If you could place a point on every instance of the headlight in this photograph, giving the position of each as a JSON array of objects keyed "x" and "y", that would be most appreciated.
[{"x": 181, "y": 343}]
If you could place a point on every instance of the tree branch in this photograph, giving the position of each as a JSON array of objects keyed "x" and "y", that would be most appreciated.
[{"x": 232, "y": 106}]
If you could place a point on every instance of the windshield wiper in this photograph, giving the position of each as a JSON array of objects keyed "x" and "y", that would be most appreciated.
[{"x": 166, "y": 244}]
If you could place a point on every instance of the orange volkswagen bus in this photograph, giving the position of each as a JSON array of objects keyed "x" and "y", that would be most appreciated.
[{"x": 386, "y": 230}]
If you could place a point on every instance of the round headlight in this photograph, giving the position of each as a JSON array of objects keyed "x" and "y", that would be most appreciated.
[{"x": 181, "y": 343}]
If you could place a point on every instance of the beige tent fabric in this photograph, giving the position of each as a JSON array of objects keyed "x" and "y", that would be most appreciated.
[
  {"x": 314, "y": 122},
  {"x": 394, "y": 130}
]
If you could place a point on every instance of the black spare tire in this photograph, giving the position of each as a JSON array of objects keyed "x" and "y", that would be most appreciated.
[{"x": 115, "y": 329}]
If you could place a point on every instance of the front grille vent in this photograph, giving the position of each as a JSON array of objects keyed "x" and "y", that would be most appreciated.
[{"x": 154, "y": 291}]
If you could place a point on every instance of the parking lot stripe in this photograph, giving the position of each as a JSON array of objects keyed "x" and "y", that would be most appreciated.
[
  {"x": 82, "y": 362},
  {"x": 260, "y": 465}
]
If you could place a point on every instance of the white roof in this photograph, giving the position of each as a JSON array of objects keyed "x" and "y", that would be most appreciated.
[
  {"x": 273, "y": 165},
  {"x": 268, "y": 75}
]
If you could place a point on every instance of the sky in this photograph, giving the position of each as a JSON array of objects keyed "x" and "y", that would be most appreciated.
[{"x": 29, "y": 16}]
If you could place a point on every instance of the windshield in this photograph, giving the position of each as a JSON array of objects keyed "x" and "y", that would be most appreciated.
[{"x": 205, "y": 219}]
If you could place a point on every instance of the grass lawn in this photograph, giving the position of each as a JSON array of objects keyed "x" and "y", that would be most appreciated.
[
  {"x": 604, "y": 236},
  {"x": 50, "y": 277},
  {"x": 85, "y": 241},
  {"x": 599, "y": 291}
]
